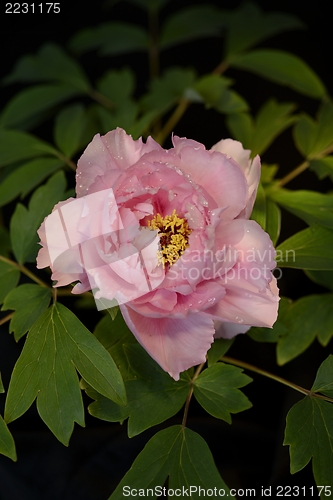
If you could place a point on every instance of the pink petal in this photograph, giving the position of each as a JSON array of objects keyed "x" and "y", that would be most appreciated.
[
  {"x": 156, "y": 304},
  {"x": 243, "y": 304},
  {"x": 175, "y": 344},
  {"x": 234, "y": 149},
  {"x": 112, "y": 286},
  {"x": 252, "y": 169},
  {"x": 182, "y": 142},
  {"x": 254, "y": 250},
  {"x": 229, "y": 330},
  {"x": 220, "y": 176},
  {"x": 203, "y": 297},
  {"x": 115, "y": 150},
  {"x": 253, "y": 178}
]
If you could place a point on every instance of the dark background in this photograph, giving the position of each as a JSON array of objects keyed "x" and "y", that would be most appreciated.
[{"x": 249, "y": 453}]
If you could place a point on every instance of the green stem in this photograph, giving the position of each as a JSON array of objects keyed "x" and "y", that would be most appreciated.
[
  {"x": 33, "y": 277},
  {"x": 281, "y": 380},
  {"x": 189, "y": 396},
  {"x": 6, "y": 318},
  {"x": 182, "y": 107},
  {"x": 65, "y": 292},
  {"x": 294, "y": 173},
  {"x": 101, "y": 99},
  {"x": 221, "y": 68},
  {"x": 25, "y": 271},
  {"x": 173, "y": 120},
  {"x": 65, "y": 159},
  {"x": 303, "y": 166}
]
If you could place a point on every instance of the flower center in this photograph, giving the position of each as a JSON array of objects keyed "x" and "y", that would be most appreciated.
[{"x": 173, "y": 232}]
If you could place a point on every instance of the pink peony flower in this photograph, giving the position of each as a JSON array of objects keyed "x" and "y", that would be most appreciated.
[{"x": 167, "y": 234}]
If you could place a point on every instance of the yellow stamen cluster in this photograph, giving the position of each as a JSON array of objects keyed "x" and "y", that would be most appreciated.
[{"x": 173, "y": 232}]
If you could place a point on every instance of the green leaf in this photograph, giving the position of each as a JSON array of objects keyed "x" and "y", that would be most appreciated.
[
  {"x": 26, "y": 177},
  {"x": 69, "y": 126},
  {"x": 231, "y": 102},
  {"x": 7, "y": 444},
  {"x": 117, "y": 85},
  {"x": 9, "y": 277},
  {"x": 314, "y": 138},
  {"x": 272, "y": 119},
  {"x": 282, "y": 68},
  {"x": 273, "y": 220},
  {"x": 177, "y": 453},
  {"x": 50, "y": 63},
  {"x": 309, "y": 432},
  {"x": 32, "y": 102},
  {"x": 216, "y": 389},
  {"x": 323, "y": 167},
  {"x": 113, "y": 311},
  {"x": 123, "y": 117},
  {"x": 16, "y": 146},
  {"x": 268, "y": 173},
  {"x": 218, "y": 349},
  {"x": 29, "y": 302},
  {"x": 324, "y": 278},
  {"x": 305, "y": 319},
  {"x": 308, "y": 249},
  {"x": 167, "y": 90},
  {"x": 111, "y": 39},
  {"x": 310, "y": 206},
  {"x": 92, "y": 361},
  {"x": 113, "y": 335},
  {"x": 248, "y": 25},
  {"x": 142, "y": 124},
  {"x": 2, "y": 389},
  {"x": 213, "y": 90},
  {"x": 324, "y": 378},
  {"x": 152, "y": 395},
  {"x": 241, "y": 126},
  {"x": 210, "y": 87},
  {"x": 191, "y": 23},
  {"x": 305, "y": 132},
  {"x": 57, "y": 344},
  {"x": 324, "y": 139},
  {"x": 267, "y": 214},
  {"x": 25, "y": 222}
]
